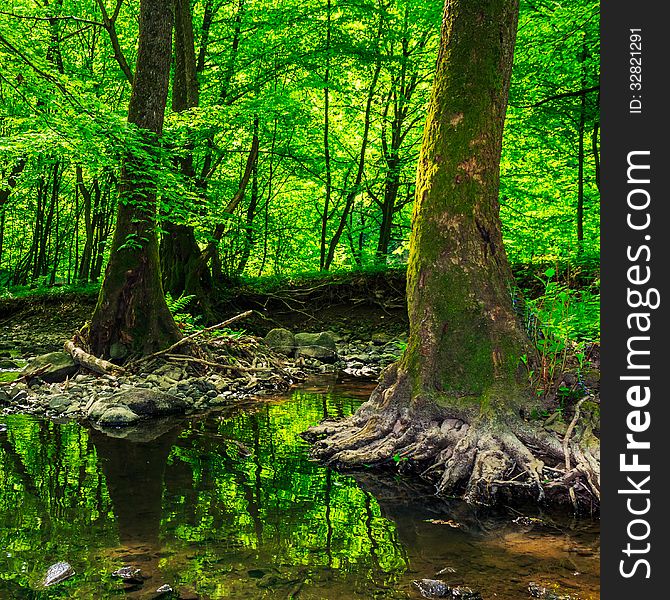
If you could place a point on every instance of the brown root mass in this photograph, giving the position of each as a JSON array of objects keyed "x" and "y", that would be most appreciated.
[{"x": 482, "y": 458}]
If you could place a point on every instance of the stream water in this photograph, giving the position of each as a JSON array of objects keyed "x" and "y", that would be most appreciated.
[{"x": 229, "y": 505}]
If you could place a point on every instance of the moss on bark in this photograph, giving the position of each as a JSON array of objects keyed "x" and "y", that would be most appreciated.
[
  {"x": 451, "y": 408},
  {"x": 131, "y": 316}
]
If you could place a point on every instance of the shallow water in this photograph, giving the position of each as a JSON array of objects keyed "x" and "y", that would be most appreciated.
[{"x": 230, "y": 506}]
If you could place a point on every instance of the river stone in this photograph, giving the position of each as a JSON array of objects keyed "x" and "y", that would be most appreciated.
[
  {"x": 281, "y": 340},
  {"x": 62, "y": 366},
  {"x": 380, "y": 338},
  {"x": 118, "y": 351},
  {"x": 60, "y": 402},
  {"x": 57, "y": 573},
  {"x": 149, "y": 403},
  {"x": 117, "y": 416},
  {"x": 436, "y": 588},
  {"x": 129, "y": 574},
  {"x": 538, "y": 591},
  {"x": 316, "y": 345},
  {"x": 5, "y": 398},
  {"x": 164, "y": 590}
]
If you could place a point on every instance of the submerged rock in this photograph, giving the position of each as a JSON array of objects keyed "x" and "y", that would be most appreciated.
[
  {"x": 57, "y": 573},
  {"x": 164, "y": 590},
  {"x": 538, "y": 591},
  {"x": 436, "y": 588},
  {"x": 60, "y": 366},
  {"x": 129, "y": 574},
  {"x": 316, "y": 345},
  {"x": 281, "y": 340}
]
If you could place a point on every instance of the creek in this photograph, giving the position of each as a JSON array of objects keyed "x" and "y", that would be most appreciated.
[{"x": 229, "y": 505}]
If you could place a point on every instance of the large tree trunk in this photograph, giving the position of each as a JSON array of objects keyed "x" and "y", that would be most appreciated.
[
  {"x": 131, "y": 314},
  {"x": 179, "y": 251},
  {"x": 452, "y": 408}
]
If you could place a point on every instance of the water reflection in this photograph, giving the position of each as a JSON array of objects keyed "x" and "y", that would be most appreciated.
[{"x": 229, "y": 506}]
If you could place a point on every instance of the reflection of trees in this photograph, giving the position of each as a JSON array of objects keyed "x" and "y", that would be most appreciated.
[
  {"x": 134, "y": 472},
  {"x": 53, "y": 502},
  {"x": 298, "y": 520}
]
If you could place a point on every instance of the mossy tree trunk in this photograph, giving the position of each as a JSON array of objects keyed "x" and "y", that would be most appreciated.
[
  {"x": 452, "y": 408},
  {"x": 131, "y": 315},
  {"x": 179, "y": 250}
]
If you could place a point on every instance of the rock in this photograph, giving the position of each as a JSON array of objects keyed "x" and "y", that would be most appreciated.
[
  {"x": 117, "y": 416},
  {"x": 538, "y": 591},
  {"x": 380, "y": 338},
  {"x": 57, "y": 573},
  {"x": 61, "y": 367},
  {"x": 164, "y": 590},
  {"x": 129, "y": 574},
  {"x": 436, "y": 588},
  {"x": 5, "y": 398},
  {"x": 118, "y": 351},
  {"x": 320, "y": 346},
  {"x": 8, "y": 364},
  {"x": 148, "y": 402},
  {"x": 19, "y": 395},
  {"x": 281, "y": 340},
  {"x": 59, "y": 403}
]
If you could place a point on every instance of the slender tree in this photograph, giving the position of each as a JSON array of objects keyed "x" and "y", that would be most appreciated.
[
  {"x": 131, "y": 315},
  {"x": 453, "y": 405}
]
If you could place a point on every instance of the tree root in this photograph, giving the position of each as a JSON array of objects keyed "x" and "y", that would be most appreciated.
[{"x": 480, "y": 458}]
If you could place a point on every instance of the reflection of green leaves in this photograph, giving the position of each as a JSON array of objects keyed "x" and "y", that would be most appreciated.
[{"x": 223, "y": 513}]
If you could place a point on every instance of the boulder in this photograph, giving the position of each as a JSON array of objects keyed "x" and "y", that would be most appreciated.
[
  {"x": 281, "y": 340},
  {"x": 130, "y": 405},
  {"x": 320, "y": 346},
  {"x": 61, "y": 366},
  {"x": 380, "y": 338},
  {"x": 149, "y": 403},
  {"x": 117, "y": 416}
]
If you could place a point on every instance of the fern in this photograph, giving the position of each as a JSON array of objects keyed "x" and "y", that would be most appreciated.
[{"x": 184, "y": 319}]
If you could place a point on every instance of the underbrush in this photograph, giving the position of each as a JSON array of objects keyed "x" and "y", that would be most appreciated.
[{"x": 564, "y": 326}]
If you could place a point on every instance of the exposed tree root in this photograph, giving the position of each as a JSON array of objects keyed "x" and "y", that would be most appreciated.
[{"x": 481, "y": 458}]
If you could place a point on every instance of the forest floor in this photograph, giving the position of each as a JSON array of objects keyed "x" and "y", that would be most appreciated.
[{"x": 363, "y": 316}]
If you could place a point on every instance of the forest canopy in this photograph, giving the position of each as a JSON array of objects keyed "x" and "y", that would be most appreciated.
[{"x": 291, "y": 138}]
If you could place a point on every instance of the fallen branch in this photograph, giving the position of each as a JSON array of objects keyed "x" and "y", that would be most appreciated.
[
  {"x": 188, "y": 338},
  {"x": 90, "y": 362}
]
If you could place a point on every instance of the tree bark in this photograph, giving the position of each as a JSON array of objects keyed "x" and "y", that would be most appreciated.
[
  {"x": 452, "y": 407},
  {"x": 131, "y": 315}
]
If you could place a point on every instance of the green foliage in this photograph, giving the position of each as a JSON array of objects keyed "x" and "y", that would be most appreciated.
[
  {"x": 562, "y": 323},
  {"x": 64, "y": 100},
  {"x": 185, "y": 320}
]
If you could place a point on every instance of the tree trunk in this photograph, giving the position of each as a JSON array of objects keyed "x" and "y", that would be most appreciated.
[
  {"x": 326, "y": 143},
  {"x": 179, "y": 251},
  {"x": 131, "y": 315},
  {"x": 452, "y": 407}
]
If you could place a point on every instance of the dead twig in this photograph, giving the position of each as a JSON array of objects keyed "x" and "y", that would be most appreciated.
[
  {"x": 215, "y": 365},
  {"x": 188, "y": 338}
]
